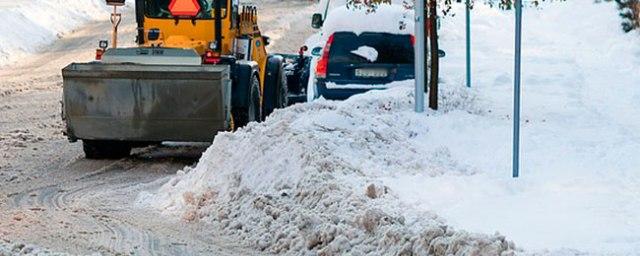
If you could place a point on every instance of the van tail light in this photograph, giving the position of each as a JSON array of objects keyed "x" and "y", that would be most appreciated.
[
  {"x": 99, "y": 53},
  {"x": 211, "y": 57},
  {"x": 413, "y": 40},
  {"x": 323, "y": 63}
]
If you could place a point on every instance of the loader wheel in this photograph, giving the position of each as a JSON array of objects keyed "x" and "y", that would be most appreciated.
[
  {"x": 101, "y": 149},
  {"x": 250, "y": 113},
  {"x": 275, "y": 87}
]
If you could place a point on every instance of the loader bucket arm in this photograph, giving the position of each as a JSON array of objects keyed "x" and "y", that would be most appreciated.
[
  {"x": 217, "y": 12},
  {"x": 140, "y": 22}
]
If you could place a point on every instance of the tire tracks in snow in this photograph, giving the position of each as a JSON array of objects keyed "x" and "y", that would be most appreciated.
[
  {"x": 99, "y": 204},
  {"x": 67, "y": 199}
]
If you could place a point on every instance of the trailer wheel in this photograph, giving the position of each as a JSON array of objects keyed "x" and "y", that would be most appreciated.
[
  {"x": 250, "y": 113},
  {"x": 275, "y": 86},
  {"x": 100, "y": 149}
]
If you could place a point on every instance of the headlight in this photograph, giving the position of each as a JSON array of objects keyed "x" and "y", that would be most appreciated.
[
  {"x": 213, "y": 45},
  {"x": 103, "y": 44}
]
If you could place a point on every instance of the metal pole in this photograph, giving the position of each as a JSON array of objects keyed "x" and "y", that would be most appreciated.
[
  {"x": 326, "y": 10},
  {"x": 468, "y": 14},
  {"x": 516, "y": 98},
  {"x": 116, "y": 18},
  {"x": 419, "y": 55}
]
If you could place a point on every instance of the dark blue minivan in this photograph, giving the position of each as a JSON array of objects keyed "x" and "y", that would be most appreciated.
[{"x": 355, "y": 63}]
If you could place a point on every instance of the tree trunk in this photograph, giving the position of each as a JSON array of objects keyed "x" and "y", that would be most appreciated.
[
  {"x": 435, "y": 57},
  {"x": 636, "y": 11}
]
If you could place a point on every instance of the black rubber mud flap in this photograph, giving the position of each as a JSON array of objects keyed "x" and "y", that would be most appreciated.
[
  {"x": 242, "y": 82},
  {"x": 243, "y": 115},
  {"x": 101, "y": 149},
  {"x": 275, "y": 86}
]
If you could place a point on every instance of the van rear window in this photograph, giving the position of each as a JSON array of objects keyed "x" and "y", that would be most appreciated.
[{"x": 391, "y": 48}]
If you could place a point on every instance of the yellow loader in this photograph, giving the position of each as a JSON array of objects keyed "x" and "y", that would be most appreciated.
[{"x": 200, "y": 67}]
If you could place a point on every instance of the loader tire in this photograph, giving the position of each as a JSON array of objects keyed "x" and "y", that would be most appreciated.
[
  {"x": 100, "y": 149},
  {"x": 250, "y": 113},
  {"x": 275, "y": 86}
]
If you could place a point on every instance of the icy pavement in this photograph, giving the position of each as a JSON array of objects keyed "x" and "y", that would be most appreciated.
[{"x": 10, "y": 249}]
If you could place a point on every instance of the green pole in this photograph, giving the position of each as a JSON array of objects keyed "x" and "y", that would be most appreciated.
[
  {"x": 468, "y": 14},
  {"x": 516, "y": 98}
]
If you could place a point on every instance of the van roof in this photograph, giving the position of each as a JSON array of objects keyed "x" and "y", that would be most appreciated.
[{"x": 386, "y": 18}]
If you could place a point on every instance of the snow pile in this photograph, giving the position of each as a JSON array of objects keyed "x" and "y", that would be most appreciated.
[
  {"x": 28, "y": 26},
  {"x": 367, "y": 52},
  {"x": 305, "y": 181},
  {"x": 397, "y": 20},
  {"x": 331, "y": 85},
  {"x": 325, "y": 6}
]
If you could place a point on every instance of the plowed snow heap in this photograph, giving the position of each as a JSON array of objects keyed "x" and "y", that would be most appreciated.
[{"x": 304, "y": 182}]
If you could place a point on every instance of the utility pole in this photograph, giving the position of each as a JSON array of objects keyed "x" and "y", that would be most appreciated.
[
  {"x": 419, "y": 55},
  {"x": 516, "y": 98}
]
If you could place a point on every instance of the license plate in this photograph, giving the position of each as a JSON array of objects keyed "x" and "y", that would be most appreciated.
[{"x": 371, "y": 72}]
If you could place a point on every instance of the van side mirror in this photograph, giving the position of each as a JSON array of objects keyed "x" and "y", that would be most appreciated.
[
  {"x": 316, "y": 21},
  {"x": 316, "y": 51},
  {"x": 441, "y": 53}
]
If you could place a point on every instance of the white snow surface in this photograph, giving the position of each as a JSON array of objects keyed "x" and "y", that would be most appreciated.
[
  {"x": 27, "y": 27},
  {"x": 387, "y": 18},
  {"x": 298, "y": 182},
  {"x": 580, "y": 131},
  {"x": 367, "y": 52},
  {"x": 306, "y": 181},
  {"x": 331, "y": 85}
]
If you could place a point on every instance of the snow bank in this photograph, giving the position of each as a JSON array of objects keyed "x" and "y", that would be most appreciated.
[
  {"x": 304, "y": 182},
  {"x": 28, "y": 26},
  {"x": 580, "y": 132},
  {"x": 397, "y": 20}
]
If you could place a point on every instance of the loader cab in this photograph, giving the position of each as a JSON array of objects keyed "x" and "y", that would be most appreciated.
[
  {"x": 193, "y": 24},
  {"x": 186, "y": 24}
]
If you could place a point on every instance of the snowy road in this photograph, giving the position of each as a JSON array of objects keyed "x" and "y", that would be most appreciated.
[
  {"x": 52, "y": 197},
  {"x": 363, "y": 176}
]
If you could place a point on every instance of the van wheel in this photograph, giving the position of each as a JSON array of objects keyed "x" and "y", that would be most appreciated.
[
  {"x": 250, "y": 113},
  {"x": 103, "y": 149}
]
